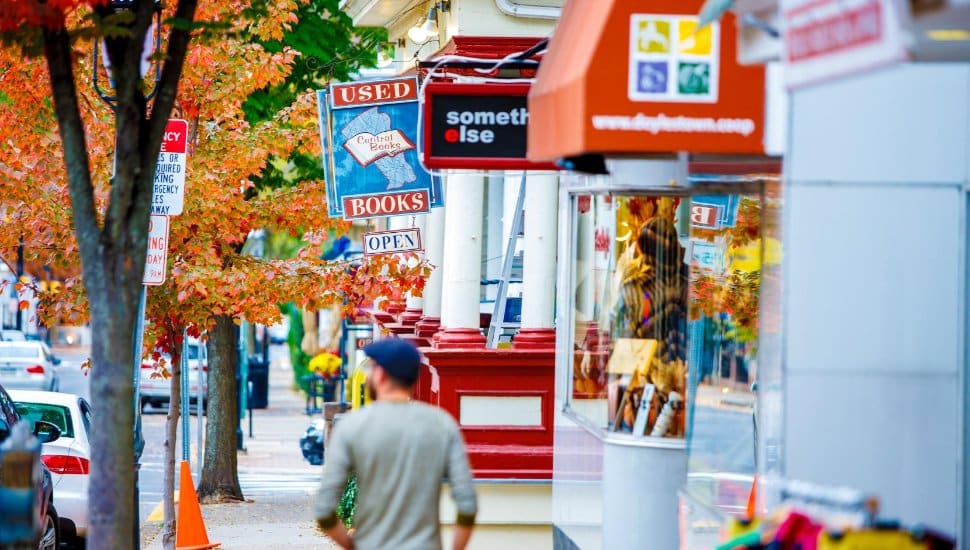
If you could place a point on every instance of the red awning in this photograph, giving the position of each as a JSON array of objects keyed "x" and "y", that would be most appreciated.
[{"x": 624, "y": 77}]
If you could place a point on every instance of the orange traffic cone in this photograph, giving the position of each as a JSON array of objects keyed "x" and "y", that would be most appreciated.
[
  {"x": 751, "y": 508},
  {"x": 190, "y": 527}
]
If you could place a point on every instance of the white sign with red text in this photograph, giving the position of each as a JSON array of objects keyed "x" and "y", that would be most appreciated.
[
  {"x": 826, "y": 39},
  {"x": 157, "y": 257},
  {"x": 168, "y": 194}
]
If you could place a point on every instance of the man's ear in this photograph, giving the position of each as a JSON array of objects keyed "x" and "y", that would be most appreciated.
[{"x": 377, "y": 375}]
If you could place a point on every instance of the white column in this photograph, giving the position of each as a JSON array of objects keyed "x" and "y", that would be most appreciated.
[
  {"x": 539, "y": 261},
  {"x": 434, "y": 248},
  {"x": 585, "y": 251},
  {"x": 420, "y": 222},
  {"x": 494, "y": 243},
  {"x": 462, "y": 252}
]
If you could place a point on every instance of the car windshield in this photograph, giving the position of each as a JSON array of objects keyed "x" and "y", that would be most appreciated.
[
  {"x": 20, "y": 351},
  {"x": 55, "y": 414}
]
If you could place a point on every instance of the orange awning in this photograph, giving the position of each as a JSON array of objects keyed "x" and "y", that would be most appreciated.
[{"x": 624, "y": 77}]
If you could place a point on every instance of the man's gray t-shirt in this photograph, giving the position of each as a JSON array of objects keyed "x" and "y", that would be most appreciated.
[{"x": 401, "y": 453}]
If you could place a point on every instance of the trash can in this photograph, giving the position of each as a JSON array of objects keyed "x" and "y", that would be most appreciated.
[{"x": 258, "y": 382}]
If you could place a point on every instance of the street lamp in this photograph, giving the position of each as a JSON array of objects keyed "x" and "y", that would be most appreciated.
[
  {"x": 154, "y": 35},
  {"x": 428, "y": 29}
]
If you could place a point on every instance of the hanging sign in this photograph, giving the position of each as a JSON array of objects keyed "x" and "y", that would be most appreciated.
[
  {"x": 157, "y": 257},
  {"x": 369, "y": 135},
  {"x": 477, "y": 126},
  {"x": 169, "y": 187},
  {"x": 835, "y": 38},
  {"x": 392, "y": 242}
]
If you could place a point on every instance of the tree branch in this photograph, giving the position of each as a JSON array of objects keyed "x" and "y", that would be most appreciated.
[
  {"x": 122, "y": 224},
  {"x": 57, "y": 51}
]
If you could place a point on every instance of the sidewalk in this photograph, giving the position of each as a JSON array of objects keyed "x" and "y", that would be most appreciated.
[{"x": 277, "y": 483}]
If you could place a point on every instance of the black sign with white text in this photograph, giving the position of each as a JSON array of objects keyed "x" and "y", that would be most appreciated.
[{"x": 476, "y": 126}]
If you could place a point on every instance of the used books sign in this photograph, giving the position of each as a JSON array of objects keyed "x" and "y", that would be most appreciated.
[
  {"x": 369, "y": 135},
  {"x": 476, "y": 126}
]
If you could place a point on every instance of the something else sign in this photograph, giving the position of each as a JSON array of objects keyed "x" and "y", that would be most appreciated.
[
  {"x": 168, "y": 193},
  {"x": 392, "y": 242},
  {"x": 369, "y": 134},
  {"x": 477, "y": 126},
  {"x": 157, "y": 257}
]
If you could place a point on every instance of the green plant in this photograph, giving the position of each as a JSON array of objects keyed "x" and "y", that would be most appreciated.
[
  {"x": 348, "y": 502},
  {"x": 299, "y": 360}
]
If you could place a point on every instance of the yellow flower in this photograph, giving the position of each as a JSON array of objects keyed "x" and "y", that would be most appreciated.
[{"x": 326, "y": 364}]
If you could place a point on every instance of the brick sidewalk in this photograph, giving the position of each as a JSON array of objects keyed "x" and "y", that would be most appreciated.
[{"x": 276, "y": 481}]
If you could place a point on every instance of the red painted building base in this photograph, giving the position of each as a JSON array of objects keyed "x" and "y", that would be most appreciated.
[
  {"x": 427, "y": 327},
  {"x": 459, "y": 338},
  {"x": 410, "y": 317},
  {"x": 484, "y": 378},
  {"x": 535, "y": 338}
]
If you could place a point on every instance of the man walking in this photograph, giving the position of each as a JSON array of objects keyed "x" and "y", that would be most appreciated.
[{"x": 401, "y": 451}]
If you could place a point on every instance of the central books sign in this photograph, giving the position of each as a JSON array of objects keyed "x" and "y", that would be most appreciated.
[
  {"x": 370, "y": 157},
  {"x": 477, "y": 126}
]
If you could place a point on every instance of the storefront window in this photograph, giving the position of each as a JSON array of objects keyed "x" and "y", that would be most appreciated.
[
  {"x": 631, "y": 296},
  {"x": 667, "y": 295}
]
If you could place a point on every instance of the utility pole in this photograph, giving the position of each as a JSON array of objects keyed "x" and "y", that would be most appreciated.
[{"x": 20, "y": 274}]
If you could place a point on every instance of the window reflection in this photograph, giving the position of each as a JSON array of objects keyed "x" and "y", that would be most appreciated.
[{"x": 631, "y": 317}]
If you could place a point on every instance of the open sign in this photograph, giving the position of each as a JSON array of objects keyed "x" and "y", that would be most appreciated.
[{"x": 392, "y": 242}]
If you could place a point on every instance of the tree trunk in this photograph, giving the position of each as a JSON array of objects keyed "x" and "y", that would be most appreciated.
[
  {"x": 113, "y": 251},
  {"x": 111, "y": 508},
  {"x": 171, "y": 436},
  {"x": 220, "y": 480}
]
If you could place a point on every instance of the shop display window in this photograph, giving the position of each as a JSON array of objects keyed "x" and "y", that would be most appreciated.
[
  {"x": 631, "y": 297},
  {"x": 666, "y": 316}
]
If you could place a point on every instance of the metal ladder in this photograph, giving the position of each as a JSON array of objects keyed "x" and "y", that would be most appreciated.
[{"x": 498, "y": 325}]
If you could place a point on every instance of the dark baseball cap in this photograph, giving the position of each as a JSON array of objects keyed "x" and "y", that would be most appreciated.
[{"x": 399, "y": 358}]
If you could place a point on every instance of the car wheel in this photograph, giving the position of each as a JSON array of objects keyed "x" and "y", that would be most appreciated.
[{"x": 48, "y": 539}]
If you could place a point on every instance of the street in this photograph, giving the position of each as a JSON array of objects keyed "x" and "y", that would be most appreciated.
[{"x": 254, "y": 482}]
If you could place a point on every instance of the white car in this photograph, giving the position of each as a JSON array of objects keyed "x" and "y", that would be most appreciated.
[
  {"x": 12, "y": 335},
  {"x": 68, "y": 457},
  {"x": 28, "y": 366},
  {"x": 157, "y": 391}
]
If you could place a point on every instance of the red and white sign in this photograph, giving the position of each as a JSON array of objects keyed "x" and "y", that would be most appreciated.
[
  {"x": 831, "y": 38},
  {"x": 704, "y": 215},
  {"x": 157, "y": 257},
  {"x": 384, "y": 92},
  {"x": 392, "y": 242},
  {"x": 367, "y": 148},
  {"x": 168, "y": 194},
  {"x": 387, "y": 204}
]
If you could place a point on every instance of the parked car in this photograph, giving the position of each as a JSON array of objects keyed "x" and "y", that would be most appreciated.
[
  {"x": 157, "y": 391},
  {"x": 311, "y": 443},
  {"x": 68, "y": 458},
  {"x": 28, "y": 366},
  {"x": 12, "y": 335},
  {"x": 46, "y": 433}
]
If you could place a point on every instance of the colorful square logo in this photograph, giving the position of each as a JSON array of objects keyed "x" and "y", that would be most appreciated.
[
  {"x": 671, "y": 60},
  {"x": 693, "y": 78},
  {"x": 653, "y": 36},
  {"x": 652, "y": 77},
  {"x": 692, "y": 41}
]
